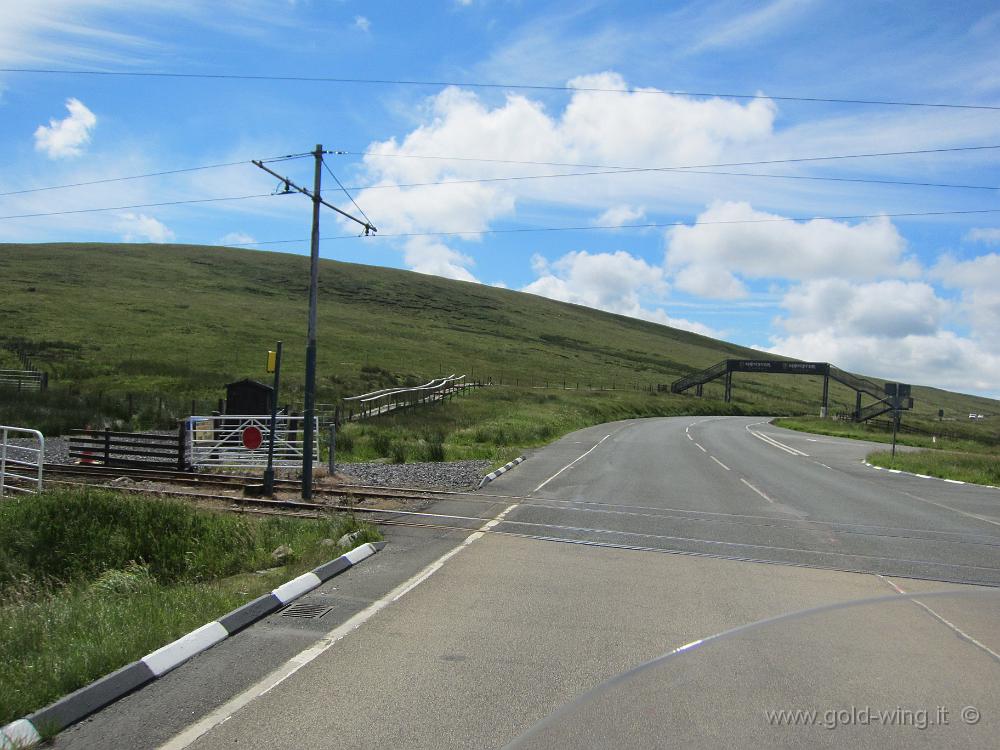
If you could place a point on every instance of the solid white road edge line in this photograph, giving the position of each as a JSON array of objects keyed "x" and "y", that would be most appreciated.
[
  {"x": 776, "y": 443},
  {"x": 570, "y": 464},
  {"x": 293, "y": 665}
]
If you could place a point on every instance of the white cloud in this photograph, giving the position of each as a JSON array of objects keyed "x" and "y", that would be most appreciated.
[
  {"x": 732, "y": 240},
  {"x": 237, "y": 238},
  {"x": 616, "y": 282},
  {"x": 616, "y": 216},
  {"x": 628, "y": 128},
  {"x": 66, "y": 137},
  {"x": 944, "y": 359},
  {"x": 140, "y": 227},
  {"x": 85, "y": 32},
  {"x": 427, "y": 256},
  {"x": 751, "y": 25},
  {"x": 362, "y": 23},
  {"x": 889, "y": 329},
  {"x": 989, "y": 236},
  {"x": 889, "y": 309},
  {"x": 978, "y": 281},
  {"x": 643, "y": 127}
]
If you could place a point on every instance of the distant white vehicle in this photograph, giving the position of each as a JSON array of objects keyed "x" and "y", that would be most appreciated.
[{"x": 976, "y": 416}]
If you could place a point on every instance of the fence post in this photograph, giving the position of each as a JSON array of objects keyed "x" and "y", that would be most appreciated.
[
  {"x": 181, "y": 436},
  {"x": 333, "y": 448},
  {"x": 107, "y": 446},
  {"x": 3, "y": 459}
]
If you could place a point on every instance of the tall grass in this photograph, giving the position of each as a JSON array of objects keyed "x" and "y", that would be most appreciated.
[{"x": 90, "y": 580}]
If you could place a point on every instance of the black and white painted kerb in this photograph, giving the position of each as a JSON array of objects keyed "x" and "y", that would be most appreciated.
[
  {"x": 85, "y": 701},
  {"x": 502, "y": 470},
  {"x": 926, "y": 476}
]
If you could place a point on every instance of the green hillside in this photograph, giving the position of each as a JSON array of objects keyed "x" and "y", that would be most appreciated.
[{"x": 177, "y": 322}]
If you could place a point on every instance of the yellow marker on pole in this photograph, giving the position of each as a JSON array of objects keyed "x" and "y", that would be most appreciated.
[{"x": 272, "y": 358}]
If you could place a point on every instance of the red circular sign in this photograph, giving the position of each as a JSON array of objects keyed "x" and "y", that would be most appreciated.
[{"x": 252, "y": 438}]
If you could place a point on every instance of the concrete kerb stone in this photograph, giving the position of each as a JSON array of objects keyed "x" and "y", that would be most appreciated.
[
  {"x": 502, "y": 470},
  {"x": 927, "y": 476},
  {"x": 78, "y": 705}
]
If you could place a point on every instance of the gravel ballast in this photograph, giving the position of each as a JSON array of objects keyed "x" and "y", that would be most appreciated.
[
  {"x": 437, "y": 475},
  {"x": 56, "y": 449}
]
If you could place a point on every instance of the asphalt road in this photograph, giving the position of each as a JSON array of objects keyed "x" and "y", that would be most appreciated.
[
  {"x": 619, "y": 544},
  {"x": 739, "y": 487}
]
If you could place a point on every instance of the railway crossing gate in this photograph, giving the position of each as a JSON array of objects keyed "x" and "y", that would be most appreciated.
[{"x": 239, "y": 441}]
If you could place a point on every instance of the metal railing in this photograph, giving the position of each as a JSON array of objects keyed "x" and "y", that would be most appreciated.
[
  {"x": 873, "y": 410},
  {"x": 237, "y": 441},
  {"x": 24, "y": 380},
  {"x": 682, "y": 384},
  {"x": 389, "y": 399},
  {"x": 18, "y": 458},
  {"x": 861, "y": 385}
]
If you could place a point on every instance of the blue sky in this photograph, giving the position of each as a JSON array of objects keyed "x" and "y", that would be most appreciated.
[{"x": 908, "y": 298}]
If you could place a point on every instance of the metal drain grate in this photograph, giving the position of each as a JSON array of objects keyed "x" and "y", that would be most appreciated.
[{"x": 307, "y": 610}]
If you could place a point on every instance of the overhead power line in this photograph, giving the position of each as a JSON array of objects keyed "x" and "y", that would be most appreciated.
[
  {"x": 138, "y": 205},
  {"x": 518, "y": 178},
  {"x": 604, "y": 169},
  {"x": 645, "y": 225},
  {"x": 797, "y": 159},
  {"x": 147, "y": 174},
  {"x": 601, "y": 169},
  {"x": 485, "y": 85}
]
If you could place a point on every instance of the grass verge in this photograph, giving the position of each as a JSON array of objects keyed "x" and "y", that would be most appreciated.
[
  {"x": 91, "y": 580},
  {"x": 969, "y": 440},
  {"x": 978, "y": 468}
]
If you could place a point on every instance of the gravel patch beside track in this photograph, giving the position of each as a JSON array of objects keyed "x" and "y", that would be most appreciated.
[
  {"x": 56, "y": 450},
  {"x": 437, "y": 475}
]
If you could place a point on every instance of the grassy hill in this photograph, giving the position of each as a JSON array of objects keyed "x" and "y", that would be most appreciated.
[{"x": 173, "y": 323}]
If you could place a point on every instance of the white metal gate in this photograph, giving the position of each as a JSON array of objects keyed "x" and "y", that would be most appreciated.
[
  {"x": 236, "y": 441},
  {"x": 21, "y": 465}
]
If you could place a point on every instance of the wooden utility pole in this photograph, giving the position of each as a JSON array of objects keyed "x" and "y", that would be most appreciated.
[{"x": 310, "y": 395}]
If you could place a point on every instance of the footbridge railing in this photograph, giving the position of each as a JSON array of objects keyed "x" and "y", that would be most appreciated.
[{"x": 372, "y": 404}]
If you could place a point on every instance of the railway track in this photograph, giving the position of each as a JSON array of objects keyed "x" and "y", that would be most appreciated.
[
  {"x": 196, "y": 483},
  {"x": 365, "y": 500}
]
